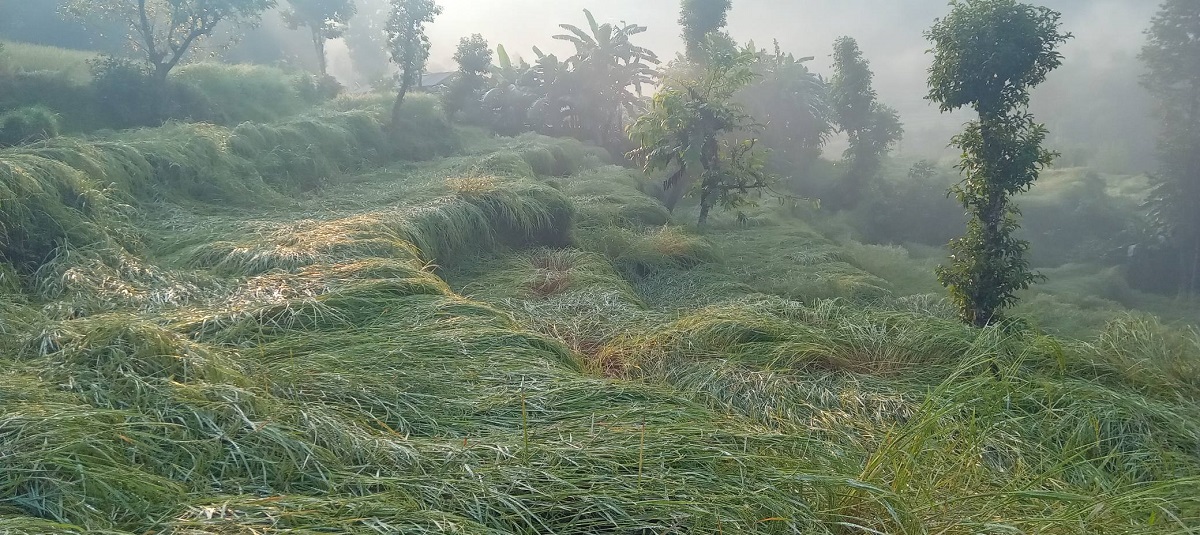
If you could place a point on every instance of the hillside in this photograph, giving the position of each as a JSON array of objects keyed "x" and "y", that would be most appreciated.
[{"x": 295, "y": 328}]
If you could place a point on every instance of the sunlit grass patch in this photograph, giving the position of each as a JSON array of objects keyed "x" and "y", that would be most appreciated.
[{"x": 73, "y": 64}]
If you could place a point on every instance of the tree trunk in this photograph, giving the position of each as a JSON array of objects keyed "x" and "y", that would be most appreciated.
[
  {"x": 705, "y": 207},
  {"x": 992, "y": 217},
  {"x": 397, "y": 108},
  {"x": 676, "y": 191},
  {"x": 161, "y": 71},
  {"x": 319, "y": 43}
]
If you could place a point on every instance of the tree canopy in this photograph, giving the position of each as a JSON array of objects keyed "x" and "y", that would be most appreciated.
[
  {"x": 872, "y": 127},
  {"x": 165, "y": 30},
  {"x": 325, "y": 20},
  {"x": 409, "y": 44},
  {"x": 988, "y": 54},
  {"x": 701, "y": 20},
  {"x": 692, "y": 129},
  {"x": 1172, "y": 57}
]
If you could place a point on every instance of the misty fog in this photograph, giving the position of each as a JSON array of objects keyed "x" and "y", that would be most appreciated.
[{"x": 1093, "y": 105}]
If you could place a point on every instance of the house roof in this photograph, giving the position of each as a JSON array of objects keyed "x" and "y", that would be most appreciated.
[{"x": 433, "y": 79}]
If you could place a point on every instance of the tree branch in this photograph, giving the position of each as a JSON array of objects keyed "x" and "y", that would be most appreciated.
[{"x": 147, "y": 32}]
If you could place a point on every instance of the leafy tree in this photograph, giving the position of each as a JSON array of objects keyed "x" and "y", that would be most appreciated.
[
  {"x": 474, "y": 58},
  {"x": 690, "y": 128},
  {"x": 325, "y": 20},
  {"x": 701, "y": 21},
  {"x": 409, "y": 45},
  {"x": 611, "y": 71},
  {"x": 366, "y": 40},
  {"x": 165, "y": 30},
  {"x": 988, "y": 55},
  {"x": 1172, "y": 55},
  {"x": 791, "y": 103},
  {"x": 872, "y": 127},
  {"x": 511, "y": 95}
]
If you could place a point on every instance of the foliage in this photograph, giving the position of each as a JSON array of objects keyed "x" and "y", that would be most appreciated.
[
  {"x": 409, "y": 45},
  {"x": 125, "y": 89},
  {"x": 72, "y": 65},
  {"x": 1173, "y": 78},
  {"x": 590, "y": 95},
  {"x": 873, "y": 128},
  {"x": 474, "y": 58},
  {"x": 366, "y": 40},
  {"x": 26, "y": 125},
  {"x": 165, "y": 30},
  {"x": 988, "y": 54},
  {"x": 325, "y": 20},
  {"x": 687, "y": 130},
  {"x": 609, "y": 72},
  {"x": 701, "y": 20},
  {"x": 791, "y": 104}
]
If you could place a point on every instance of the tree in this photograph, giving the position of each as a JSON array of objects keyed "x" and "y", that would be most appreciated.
[
  {"x": 872, "y": 127},
  {"x": 611, "y": 71},
  {"x": 1172, "y": 55},
  {"x": 701, "y": 20},
  {"x": 690, "y": 127},
  {"x": 325, "y": 20},
  {"x": 791, "y": 103},
  {"x": 409, "y": 45},
  {"x": 165, "y": 30},
  {"x": 988, "y": 55},
  {"x": 474, "y": 58},
  {"x": 366, "y": 39}
]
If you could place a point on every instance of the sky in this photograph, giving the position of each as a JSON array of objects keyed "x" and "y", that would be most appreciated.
[{"x": 1108, "y": 35}]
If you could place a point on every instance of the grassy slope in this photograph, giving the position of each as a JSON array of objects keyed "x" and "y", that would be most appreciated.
[{"x": 423, "y": 348}]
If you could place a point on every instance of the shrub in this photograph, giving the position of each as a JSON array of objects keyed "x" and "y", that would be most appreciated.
[
  {"x": 423, "y": 132},
  {"x": 316, "y": 89},
  {"x": 231, "y": 94},
  {"x": 55, "y": 91},
  {"x": 126, "y": 91},
  {"x": 26, "y": 125}
]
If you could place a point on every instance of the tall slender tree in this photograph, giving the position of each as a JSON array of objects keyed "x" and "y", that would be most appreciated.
[
  {"x": 409, "y": 45},
  {"x": 324, "y": 19},
  {"x": 988, "y": 55},
  {"x": 702, "y": 20},
  {"x": 1172, "y": 55},
  {"x": 872, "y": 128}
]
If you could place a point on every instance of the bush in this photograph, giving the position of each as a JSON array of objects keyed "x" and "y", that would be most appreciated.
[
  {"x": 317, "y": 89},
  {"x": 423, "y": 133},
  {"x": 231, "y": 94},
  {"x": 27, "y": 125},
  {"x": 55, "y": 91},
  {"x": 126, "y": 91},
  {"x": 204, "y": 92}
]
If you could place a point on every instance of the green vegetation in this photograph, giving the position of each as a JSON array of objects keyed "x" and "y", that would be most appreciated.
[
  {"x": 689, "y": 131},
  {"x": 1174, "y": 80},
  {"x": 166, "y": 30},
  {"x": 287, "y": 310},
  {"x": 409, "y": 45},
  {"x": 989, "y": 54},
  {"x": 872, "y": 128},
  {"x": 324, "y": 20},
  {"x": 702, "y": 20}
]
